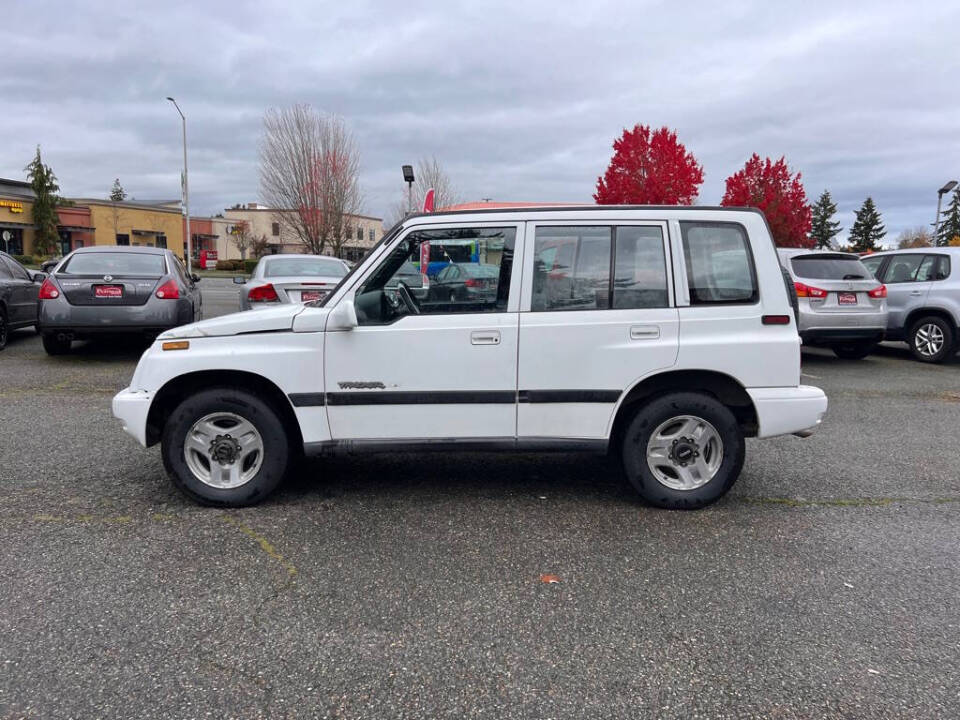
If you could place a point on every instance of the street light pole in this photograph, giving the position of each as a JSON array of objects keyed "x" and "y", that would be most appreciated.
[
  {"x": 186, "y": 188},
  {"x": 940, "y": 193},
  {"x": 408, "y": 178}
]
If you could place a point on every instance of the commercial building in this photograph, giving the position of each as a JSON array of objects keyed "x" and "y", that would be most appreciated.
[
  {"x": 362, "y": 231},
  {"x": 87, "y": 221}
]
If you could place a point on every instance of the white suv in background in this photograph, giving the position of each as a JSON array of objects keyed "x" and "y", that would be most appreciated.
[{"x": 663, "y": 334}]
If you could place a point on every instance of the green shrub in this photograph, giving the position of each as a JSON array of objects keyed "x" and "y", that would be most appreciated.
[
  {"x": 25, "y": 259},
  {"x": 228, "y": 265},
  {"x": 249, "y": 265}
]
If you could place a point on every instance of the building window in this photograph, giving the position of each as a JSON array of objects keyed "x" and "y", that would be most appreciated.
[
  {"x": 359, "y": 232},
  {"x": 123, "y": 239},
  {"x": 161, "y": 241},
  {"x": 372, "y": 235},
  {"x": 275, "y": 229}
]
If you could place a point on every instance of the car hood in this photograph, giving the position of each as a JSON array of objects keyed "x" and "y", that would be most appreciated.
[{"x": 273, "y": 319}]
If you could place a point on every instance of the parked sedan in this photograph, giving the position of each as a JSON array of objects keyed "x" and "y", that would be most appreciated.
[
  {"x": 466, "y": 283},
  {"x": 18, "y": 297},
  {"x": 840, "y": 304},
  {"x": 290, "y": 279},
  {"x": 115, "y": 290}
]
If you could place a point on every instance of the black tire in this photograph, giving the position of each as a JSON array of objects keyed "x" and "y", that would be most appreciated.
[
  {"x": 659, "y": 410},
  {"x": 854, "y": 350},
  {"x": 4, "y": 329},
  {"x": 276, "y": 446},
  {"x": 921, "y": 349},
  {"x": 55, "y": 346}
]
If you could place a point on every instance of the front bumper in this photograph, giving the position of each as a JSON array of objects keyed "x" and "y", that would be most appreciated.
[
  {"x": 785, "y": 410},
  {"x": 131, "y": 407}
]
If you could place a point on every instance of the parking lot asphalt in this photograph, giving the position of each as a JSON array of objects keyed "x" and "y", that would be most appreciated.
[{"x": 824, "y": 585}]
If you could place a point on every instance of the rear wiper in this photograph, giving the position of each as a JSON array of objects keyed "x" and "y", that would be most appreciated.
[{"x": 854, "y": 277}]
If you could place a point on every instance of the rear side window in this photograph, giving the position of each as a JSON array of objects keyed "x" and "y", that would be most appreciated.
[
  {"x": 572, "y": 268},
  {"x": 829, "y": 267},
  {"x": 719, "y": 263},
  {"x": 903, "y": 268},
  {"x": 115, "y": 263},
  {"x": 15, "y": 269},
  {"x": 873, "y": 264},
  {"x": 943, "y": 268}
]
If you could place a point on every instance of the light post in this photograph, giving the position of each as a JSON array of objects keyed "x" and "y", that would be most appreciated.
[
  {"x": 940, "y": 193},
  {"x": 186, "y": 188},
  {"x": 408, "y": 178}
]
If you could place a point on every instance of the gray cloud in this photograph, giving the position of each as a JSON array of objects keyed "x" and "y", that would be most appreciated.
[{"x": 520, "y": 101}]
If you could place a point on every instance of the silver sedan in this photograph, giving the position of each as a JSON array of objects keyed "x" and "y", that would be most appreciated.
[{"x": 290, "y": 279}]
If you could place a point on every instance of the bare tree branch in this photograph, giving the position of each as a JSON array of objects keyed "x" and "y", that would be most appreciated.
[{"x": 309, "y": 174}]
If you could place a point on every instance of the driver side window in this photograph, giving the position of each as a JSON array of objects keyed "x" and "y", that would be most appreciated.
[{"x": 446, "y": 271}]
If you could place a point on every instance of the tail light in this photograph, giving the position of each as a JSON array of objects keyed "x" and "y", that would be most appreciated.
[
  {"x": 808, "y": 291},
  {"x": 470, "y": 282},
  {"x": 169, "y": 290},
  {"x": 878, "y": 292},
  {"x": 49, "y": 291},
  {"x": 263, "y": 293}
]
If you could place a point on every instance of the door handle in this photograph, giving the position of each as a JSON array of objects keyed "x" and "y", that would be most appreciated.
[
  {"x": 916, "y": 292},
  {"x": 644, "y": 332},
  {"x": 485, "y": 337}
]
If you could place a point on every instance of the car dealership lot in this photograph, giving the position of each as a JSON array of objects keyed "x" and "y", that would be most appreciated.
[{"x": 410, "y": 585}]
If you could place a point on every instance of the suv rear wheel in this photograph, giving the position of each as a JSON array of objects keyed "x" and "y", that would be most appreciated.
[
  {"x": 225, "y": 447},
  {"x": 683, "y": 451},
  {"x": 931, "y": 339}
]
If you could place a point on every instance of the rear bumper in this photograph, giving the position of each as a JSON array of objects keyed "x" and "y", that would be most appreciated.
[
  {"x": 153, "y": 316},
  {"x": 785, "y": 410},
  {"x": 834, "y": 335},
  {"x": 131, "y": 408}
]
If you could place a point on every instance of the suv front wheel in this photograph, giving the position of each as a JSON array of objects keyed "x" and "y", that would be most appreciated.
[
  {"x": 683, "y": 451},
  {"x": 225, "y": 447},
  {"x": 931, "y": 339}
]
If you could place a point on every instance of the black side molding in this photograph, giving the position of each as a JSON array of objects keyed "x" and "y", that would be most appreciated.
[
  {"x": 306, "y": 399},
  {"x": 453, "y": 397}
]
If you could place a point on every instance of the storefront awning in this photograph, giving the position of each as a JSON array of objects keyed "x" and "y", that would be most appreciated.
[
  {"x": 147, "y": 232},
  {"x": 76, "y": 228},
  {"x": 205, "y": 236},
  {"x": 16, "y": 226}
]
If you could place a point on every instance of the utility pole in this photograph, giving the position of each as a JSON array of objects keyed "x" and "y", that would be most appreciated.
[{"x": 186, "y": 189}]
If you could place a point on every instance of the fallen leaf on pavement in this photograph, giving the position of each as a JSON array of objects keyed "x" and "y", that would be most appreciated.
[{"x": 549, "y": 579}]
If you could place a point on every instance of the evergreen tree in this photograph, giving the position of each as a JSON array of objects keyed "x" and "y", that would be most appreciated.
[
  {"x": 950, "y": 222},
  {"x": 824, "y": 228},
  {"x": 45, "y": 188},
  {"x": 118, "y": 194},
  {"x": 867, "y": 230}
]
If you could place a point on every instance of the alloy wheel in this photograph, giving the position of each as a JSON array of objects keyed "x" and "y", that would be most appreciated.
[
  {"x": 223, "y": 450},
  {"x": 684, "y": 452},
  {"x": 928, "y": 340}
]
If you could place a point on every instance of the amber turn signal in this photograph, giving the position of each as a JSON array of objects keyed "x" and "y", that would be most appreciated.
[{"x": 176, "y": 345}]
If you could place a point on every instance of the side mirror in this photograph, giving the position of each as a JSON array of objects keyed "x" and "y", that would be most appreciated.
[
  {"x": 343, "y": 316},
  {"x": 195, "y": 277},
  {"x": 239, "y": 280}
]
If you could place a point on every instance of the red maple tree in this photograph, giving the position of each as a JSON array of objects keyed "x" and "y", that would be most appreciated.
[
  {"x": 649, "y": 168},
  {"x": 771, "y": 187}
]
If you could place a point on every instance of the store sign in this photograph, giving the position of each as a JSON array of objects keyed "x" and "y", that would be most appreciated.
[{"x": 14, "y": 205}]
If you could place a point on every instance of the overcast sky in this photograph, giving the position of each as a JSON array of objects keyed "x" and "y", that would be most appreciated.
[{"x": 518, "y": 102}]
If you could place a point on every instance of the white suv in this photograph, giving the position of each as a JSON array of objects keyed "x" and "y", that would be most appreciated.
[{"x": 663, "y": 334}]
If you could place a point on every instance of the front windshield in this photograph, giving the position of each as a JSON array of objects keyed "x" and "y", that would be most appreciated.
[
  {"x": 303, "y": 267},
  {"x": 356, "y": 268}
]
